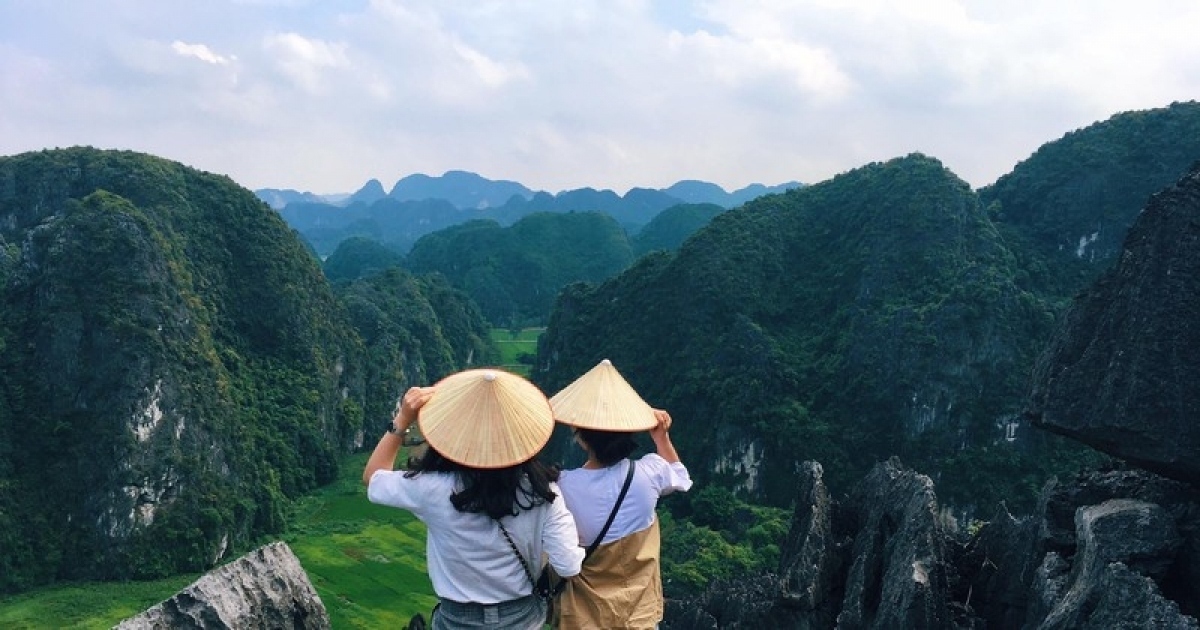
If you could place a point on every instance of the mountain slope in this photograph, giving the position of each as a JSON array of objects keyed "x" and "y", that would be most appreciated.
[
  {"x": 176, "y": 368},
  {"x": 1077, "y": 196},
  {"x": 513, "y": 273},
  {"x": 869, "y": 315}
]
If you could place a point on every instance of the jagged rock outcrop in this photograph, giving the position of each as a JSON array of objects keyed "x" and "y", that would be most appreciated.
[
  {"x": 1106, "y": 549},
  {"x": 882, "y": 560},
  {"x": 811, "y": 555},
  {"x": 998, "y": 564},
  {"x": 1114, "y": 538},
  {"x": 267, "y": 588},
  {"x": 899, "y": 576},
  {"x": 1121, "y": 373}
]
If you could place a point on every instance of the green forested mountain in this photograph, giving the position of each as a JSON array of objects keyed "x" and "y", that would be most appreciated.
[
  {"x": 671, "y": 227},
  {"x": 513, "y": 273},
  {"x": 176, "y": 368},
  {"x": 414, "y": 330},
  {"x": 877, "y": 313},
  {"x": 1075, "y": 198},
  {"x": 358, "y": 257},
  {"x": 888, "y": 311}
]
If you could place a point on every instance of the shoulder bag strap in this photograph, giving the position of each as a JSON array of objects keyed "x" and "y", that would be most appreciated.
[
  {"x": 520, "y": 558},
  {"x": 558, "y": 588},
  {"x": 612, "y": 515}
]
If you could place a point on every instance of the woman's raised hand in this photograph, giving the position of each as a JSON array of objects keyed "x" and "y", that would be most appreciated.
[
  {"x": 410, "y": 404},
  {"x": 662, "y": 439},
  {"x": 664, "y": 423}
]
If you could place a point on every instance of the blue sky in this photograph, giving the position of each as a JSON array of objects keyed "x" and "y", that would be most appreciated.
[{"x": 324, "y": 95}]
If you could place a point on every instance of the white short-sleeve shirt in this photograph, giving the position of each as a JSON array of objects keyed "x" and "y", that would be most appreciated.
[
  {"x": 468, "y": 558},
  {"x": 591, "y": 493}
]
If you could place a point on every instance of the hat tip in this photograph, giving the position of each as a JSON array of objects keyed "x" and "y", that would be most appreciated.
[
  {"x": 606, "y": 362},
  {"x": 489, "y": 376}
]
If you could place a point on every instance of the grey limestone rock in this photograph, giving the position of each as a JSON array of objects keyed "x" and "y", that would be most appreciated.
[
  {"x": 900, "y": 570},
  {"x": 266, "y": 589},
  {"x": 1132, "y": 533},
  {"x": 1120, "y": 375}
]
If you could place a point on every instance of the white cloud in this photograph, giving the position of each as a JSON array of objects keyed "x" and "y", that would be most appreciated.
[
  {"x": 306, "y": 61},
  {"x": 201, "y": 52},
  {"x": 615, "y": 94}
]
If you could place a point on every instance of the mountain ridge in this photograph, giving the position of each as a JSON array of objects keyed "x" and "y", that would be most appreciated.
[{"x": 494, "y": 193}]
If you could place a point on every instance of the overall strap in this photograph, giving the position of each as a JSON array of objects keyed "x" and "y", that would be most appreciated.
[{"x": 612, "y": 515}]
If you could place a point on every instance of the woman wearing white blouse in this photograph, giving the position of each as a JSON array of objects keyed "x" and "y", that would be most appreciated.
[
  {"x": 489, "y": 506},
  {"x": 620, "y": 584}
]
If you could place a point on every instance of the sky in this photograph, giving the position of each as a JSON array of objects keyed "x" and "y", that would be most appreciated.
[{"x": 324, "y": 95}]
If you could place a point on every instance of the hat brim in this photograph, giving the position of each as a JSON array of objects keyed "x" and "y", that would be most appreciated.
[{"x": 486, "y": 418}]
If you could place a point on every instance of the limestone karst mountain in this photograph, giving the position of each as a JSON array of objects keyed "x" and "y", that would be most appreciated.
[{"x": 1112, "y": 548}]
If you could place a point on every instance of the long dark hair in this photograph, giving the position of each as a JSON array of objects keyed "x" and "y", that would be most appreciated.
[
  {"x": 496, "y": 492},
  {"x": 609, "y": 447}
]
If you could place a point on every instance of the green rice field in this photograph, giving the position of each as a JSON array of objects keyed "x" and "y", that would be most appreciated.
[{"x": 512, "y": 347}]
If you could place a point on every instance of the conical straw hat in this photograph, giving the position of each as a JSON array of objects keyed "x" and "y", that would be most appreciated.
[
  {"x": 603, "y": 400},
  {"x": 486, "y": 418}
]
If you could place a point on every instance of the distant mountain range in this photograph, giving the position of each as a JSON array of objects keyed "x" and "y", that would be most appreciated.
[
  {"x": 467, "y": 190},
  {"x": 421, "y": 204}
]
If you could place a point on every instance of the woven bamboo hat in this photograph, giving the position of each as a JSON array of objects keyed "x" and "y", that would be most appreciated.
[
  {"x": 486, "y": 418},
  {"x": 603, "y": 400}
]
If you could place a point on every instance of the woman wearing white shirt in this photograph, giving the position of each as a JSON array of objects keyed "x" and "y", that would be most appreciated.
[
  {"x": 620, "y": 584},
  {"x": 482, "y": 495}
]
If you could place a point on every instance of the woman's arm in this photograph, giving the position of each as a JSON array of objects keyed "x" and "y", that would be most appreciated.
[
  {"x": 560, "y": 539},
  {"x": 661, "y": 437},
  {"x": 384, "y": 455}
]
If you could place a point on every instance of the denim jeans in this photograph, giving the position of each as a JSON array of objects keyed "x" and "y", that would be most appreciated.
[{"x": 525, "y": 613}]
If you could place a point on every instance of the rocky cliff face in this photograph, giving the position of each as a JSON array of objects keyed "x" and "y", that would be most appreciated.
[
  {"x": 1100, "y": 553},
  {"x": 1121, "y": 374},
  {"x": 266, "y": 588},
  {"x": 1116, "y": 548},
  {"x": 174, "y": 365}
]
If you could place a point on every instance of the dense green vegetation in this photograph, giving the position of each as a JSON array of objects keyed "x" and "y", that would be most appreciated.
[
  {"x": 367, "y": 563},
  {"x": 358, "y": 257},
  {"x": 414, "y": 330},
  {"x": 671, "y": 227},
  {"x": 176, "y": 369},
  {"x": 1075, "y": 197},
  {"x": 513, "y": 273},
  {"x": 151, "y": 365},
  {"x": 184, "y": 371},
  {"x": 879, "y": 313}
]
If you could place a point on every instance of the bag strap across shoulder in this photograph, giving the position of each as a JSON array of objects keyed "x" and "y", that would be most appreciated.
[
  {"x": 612, "y": 515},
  {"x": 520, "y": 558},
  {"x": 591, "y": 548}
]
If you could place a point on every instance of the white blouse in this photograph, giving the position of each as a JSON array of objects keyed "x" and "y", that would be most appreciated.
[
  {"x": 591, "y": 493},
  {"x": 468, "y": 558}
]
